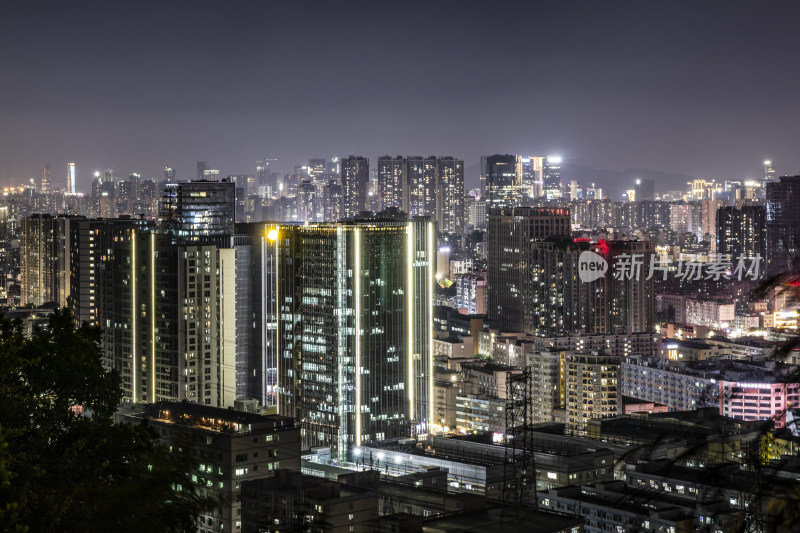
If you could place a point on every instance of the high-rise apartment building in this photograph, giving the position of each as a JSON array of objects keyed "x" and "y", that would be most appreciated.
[
  {"x": 549, "y": 383},
  {"x": 629, "y": 295},
  {"x": 783, "y": 222},
  {"x": 392, "y": 179},
  {"x": 70, "y": 178},
  {"x": 307, "y": 202},
  {"x": 534, "y": 283},
  {"x": 355, "y": 329},
  {"x": 424, "y": 186},
  {"x": 91, "y": 246},
  {"x": 450, "y": 195},
  {"x": 168, "y": 313},
  {"x": 419, "y": 194},
  {"x": 317, "y": 169},
  {"x": 471, "y": 294},
  {"x": 687, "y": 217},
  {"x": 510, "y": 281},
  {"x": 742, "y": 232},
  {"x": 332, "y": 201},
  {"x": 355, "y": 185},
  {"x": 557, "y": 302},
  {"x": 592, "y": 389},
  {"x": 477, "y": 214},
  {"x": 63, "y": 255},
  {"x": 503, "y": 181},
  {"x": 38, "y": 258},
  {"x": 709, "y": 210},
  {"x": 256, "y": 313},
  {"x": 44, "y": 255}
]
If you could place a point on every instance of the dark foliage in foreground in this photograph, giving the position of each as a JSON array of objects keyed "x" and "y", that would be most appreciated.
[{"x": 65, "y": 471}]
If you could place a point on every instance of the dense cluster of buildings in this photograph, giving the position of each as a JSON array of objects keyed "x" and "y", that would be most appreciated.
[{"x": 351, "y": 349}]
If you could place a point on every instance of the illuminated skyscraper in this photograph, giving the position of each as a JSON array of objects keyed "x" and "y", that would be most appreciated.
[
  {"x": 355, "y": 185},
  {"x": 169, "y": 174},
  {"x": 317, "y": 169},
  {"x": 503, "y": 181},
  {"x": 551, "y": 177},
  {"x": 769, "y": 171},
  {"x": 532, "y": 178},
  {"x": 199, "y": 211},
  {"x": 355, "y": 329},
  {"x": 256, "y": 313},
  {"x": 318, "y": 176},
  {"x": 71, "y": 178},
  {"x": 45, "y": 186}
]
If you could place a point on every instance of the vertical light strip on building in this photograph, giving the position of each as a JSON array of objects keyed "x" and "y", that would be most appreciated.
[
  {"x": 410, "y": 314},
  {"x": 429, "y": 286},
  {"x": 153, "y": 316},
  {"x": 273, "y": 236},
  {"x": 343, "y": 363},
  {"x": 133, "y": 314},
  {"x": 357, "y": 306}
]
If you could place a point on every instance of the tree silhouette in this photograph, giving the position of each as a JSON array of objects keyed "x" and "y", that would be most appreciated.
[{"x": 69, "y": 467}]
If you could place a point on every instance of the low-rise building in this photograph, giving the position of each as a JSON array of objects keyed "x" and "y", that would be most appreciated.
[
  {"x": 291, "y": 501},
  {"x": 615, "y": 506},
  {"x": 231, "y": 446},
  {"x": 681, "y": 387},
  {"x": 710, "y": 313},
  {"x": 453, "y": 347},
  {"x": 481, "y": 412},
  {"x": 742, "y": 389}
]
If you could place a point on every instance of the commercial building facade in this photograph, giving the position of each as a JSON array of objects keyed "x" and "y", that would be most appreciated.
[{"x": 355, "y": 329}]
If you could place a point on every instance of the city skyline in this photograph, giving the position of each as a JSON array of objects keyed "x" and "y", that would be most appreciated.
[
  {"x": 606, "y": 87},
  {"x": 347, "y": 267}
]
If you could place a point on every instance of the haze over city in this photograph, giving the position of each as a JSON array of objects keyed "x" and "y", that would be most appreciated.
[
  {"x": 347, "y": 267},
  {"x": 703, "y": 89}
]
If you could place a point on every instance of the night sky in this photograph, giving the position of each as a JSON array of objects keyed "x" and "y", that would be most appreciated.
[{"x": 708, "y": 89}]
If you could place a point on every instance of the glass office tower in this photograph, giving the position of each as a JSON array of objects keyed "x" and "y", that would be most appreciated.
[{"x": 355, "y": 329}]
